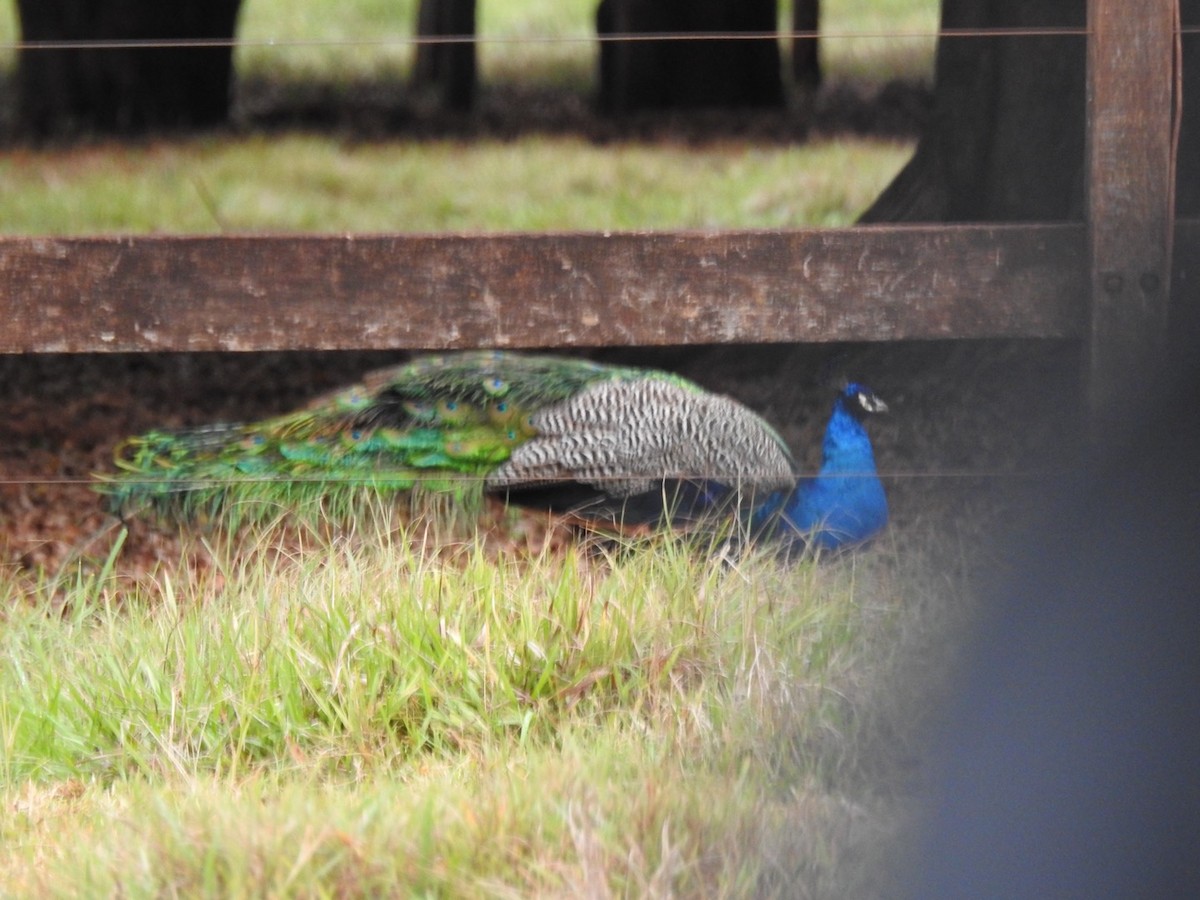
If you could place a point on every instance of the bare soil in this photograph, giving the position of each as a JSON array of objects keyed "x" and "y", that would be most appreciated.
[
  {"x": 969, "y": 422},
  {"x": 389, "y": 110},
  {"x": 968, "y": 417}
]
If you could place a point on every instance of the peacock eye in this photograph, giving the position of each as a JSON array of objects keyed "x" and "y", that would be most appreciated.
[
  {"x": 356, "y": 434},
  {"x": 451, "y": 405},
  {"x": 501, "y": 406}
]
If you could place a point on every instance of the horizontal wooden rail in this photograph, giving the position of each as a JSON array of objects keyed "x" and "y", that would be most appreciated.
[{"x": 541, "y": 290}]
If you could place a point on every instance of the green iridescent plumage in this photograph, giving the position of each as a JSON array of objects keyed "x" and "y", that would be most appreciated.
[{"x": 459, "y": 423}]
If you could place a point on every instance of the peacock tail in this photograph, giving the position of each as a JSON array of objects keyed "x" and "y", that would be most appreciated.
[{"x": 461, "y": 424}]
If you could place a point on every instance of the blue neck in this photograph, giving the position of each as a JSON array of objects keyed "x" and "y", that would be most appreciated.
[{"x": 844, "y": 504}]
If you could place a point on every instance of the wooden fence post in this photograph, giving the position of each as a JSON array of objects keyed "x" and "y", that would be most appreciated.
[{"x": 1131, "y": 85}]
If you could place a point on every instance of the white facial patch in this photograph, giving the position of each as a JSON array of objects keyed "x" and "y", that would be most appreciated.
[{"x": 871, "y": 403}]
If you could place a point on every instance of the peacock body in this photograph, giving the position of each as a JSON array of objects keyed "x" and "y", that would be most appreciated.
[{"x": 607, "y": 441}]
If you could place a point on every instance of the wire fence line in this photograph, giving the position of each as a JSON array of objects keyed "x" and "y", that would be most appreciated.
[
  {"x": 458, "y": 477},
  {"x": 591, "y": 38}
]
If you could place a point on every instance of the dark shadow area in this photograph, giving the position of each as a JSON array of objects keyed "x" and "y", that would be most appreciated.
[
  {"x": 947, "y": 444},
  {"x": 383, "y": 109},
  {"x": 380, "y": 109}
]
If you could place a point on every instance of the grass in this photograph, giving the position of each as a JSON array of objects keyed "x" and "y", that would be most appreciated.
[
  {"x": 279, "y": 37},
  {"x": 316, "y": 182},
  {"x": 363, "y": 718},
  {"x": 308, "y": 182},
  {"x": 862, "y": 38}
]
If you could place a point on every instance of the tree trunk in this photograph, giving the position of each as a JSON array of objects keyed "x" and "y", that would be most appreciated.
[
  {"x": 806, "y": 64},
  {"x": 124, "y": 89},
  {"x": 1006, "y": 139},
  {"x": 448, "y": 69},
  {"x": 688, "y": 74}
]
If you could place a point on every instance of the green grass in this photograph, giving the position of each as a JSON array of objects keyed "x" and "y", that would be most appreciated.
[
  {"x": 363, "y": 718},
  {"x": 873, "y": 40},
  {"x": 858, "y": 46},
  {"x": 359, "y": 718},
  {"x": 854, "y": 48},
  {"x": 314, "y": 183},
  {"x": 318, "y": 183}
]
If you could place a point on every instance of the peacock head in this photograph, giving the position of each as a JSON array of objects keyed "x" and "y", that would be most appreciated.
[{"x": 859, "y": 400}]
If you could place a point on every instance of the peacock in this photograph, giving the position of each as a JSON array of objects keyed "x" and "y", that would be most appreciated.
[{"x": 601, "y": 441}]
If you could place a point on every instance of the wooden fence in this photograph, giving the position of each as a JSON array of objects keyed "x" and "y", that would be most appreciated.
[{"x": 1106, "y": 281}]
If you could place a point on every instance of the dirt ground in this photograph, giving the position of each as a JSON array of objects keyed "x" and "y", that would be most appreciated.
[
  {"x": 966, "y": 416},
  {"x": 968, "y": 421},
  {"x": 389, "y": 110}
]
